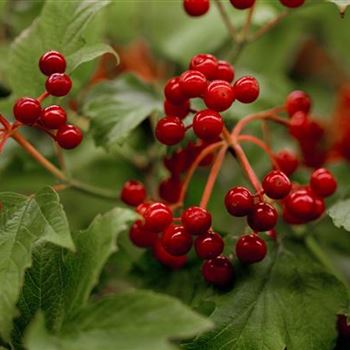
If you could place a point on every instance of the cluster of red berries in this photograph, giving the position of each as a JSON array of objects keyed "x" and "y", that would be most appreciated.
[
  {"x": 197, "y": 8},
  {"x": 29, "y": 111},
  {"x": 171, "y": 239},
  {"x": 210, "y": 80}
]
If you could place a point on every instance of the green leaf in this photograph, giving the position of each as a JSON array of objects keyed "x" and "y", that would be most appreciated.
[
  {"x": 117, "y": 107},
  {"x": 287, "y": 301},
  {"x": 130, "y": 321},
  {"x": 342, "y": 5},
  {"x": 24, "y": 222},
  {"x": 61, "y": 27},
  {"x": 340, "y": 214},
  {"x": 89, "y": 53},
  {"x": 59, "y": 281}
]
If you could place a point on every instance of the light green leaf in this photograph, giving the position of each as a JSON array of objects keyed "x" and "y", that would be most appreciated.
[
  {"x": 340, "y": 214},
  {"x": 342, "y": 5},
  {"x": 89, "y": 53},
  {"x": 59, "y": 281},
  {"x": 117, "y": 107},
  {"x": 288, "y": 301},
  {"x": 131, "y": 321},
  {"x": 60, "y": 27},
  {"x": 24, "y": 222}
]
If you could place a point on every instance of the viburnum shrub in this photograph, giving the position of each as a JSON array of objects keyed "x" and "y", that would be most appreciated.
[{"x": 212, "y": 161}]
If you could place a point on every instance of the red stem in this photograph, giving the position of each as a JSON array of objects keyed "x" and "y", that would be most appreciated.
[{"x": 42, "y": 97}]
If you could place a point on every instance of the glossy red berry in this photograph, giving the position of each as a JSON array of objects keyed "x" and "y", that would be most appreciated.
[
  {"x": 225, "y": 72},
  {"x": 219, "y": 95},
  {"x": 69, "y": 136},
  {"x": 263, "y": 217},
  {"x": 196, "y": 8},
  {"x": 251, "y": 249},
  {"x": 170, "y": 130},
  {"x": 177, "y": 162},
  {"x": 140, "y": 209},
  {"x": 209, "y": 245},
  {"x": 173, "y": 92},
  {"x": 196, "y": 220},
  {"x": 287, "y": 162},
  {"x": 58, "y": 84},
  {"x": 193, "y": 83},
  {"x": 133, "y": 193},
  {"x": 178, "y": 110},
  {"x": 246, "y": 89},
  {"x": 174, "y": 262},
  {"x": 276, "y": 184},
  {"x": 239, "y": 201},
  {"x": 242, "y": 4},
  {"x": 301, "y": 204},
  {"x": 140, "y": 237},
  {"x": 343, "y": 326},
  {"x": 170, "y": 189},
  {"x": 52, "y": 62},
  {"x": 27, "y": 110},
  {"x": 218, "y": 271},
  {"x": 208, "y": 125},
  {"x": 53, "y": 117},
  {"x": 157, "y": 217},
  {"x": 176, "y": 240},
  {"x": 292, "y": 3},
  {"x": 299, "y": 125},
  {"x": 319, "y": 208},
  {"x": 206, "y": 64},
  {"x": 323, "y": 183},
  {"x": 298, "y": 101}
]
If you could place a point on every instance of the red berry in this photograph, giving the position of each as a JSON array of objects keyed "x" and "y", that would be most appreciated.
[
  {"x": 251, "y": 249},
  {"x": 196, "y": 8},
  {"x": 170, "y": 189},
  {"x": 170, "y": 130},
  {"x": 218, "y": 271},
  {"x": 323, "y": 183},
  {"x": 301, "y": 204},
  {"x": 176, "y": 240},
  {"x": 173, "y": 92},
  {"x": 299, "y": 125},
  {"x": 319, "y": 208},
  {"x": 27, "y": 110},
  {"x": 58, "y": 84},
  {"x": 53, "y": 117},
  {"x": 287, "y": 162},
  {"x": 69, "y": 136},
  {"x": 219, "y": 95},
  {"x": 225, "y": 72},
  {"x": 140, "y": 237},
  {"x": 178, "y": 110},
  {"x": 174, "y": 262},
  {"x": 206, "y": 64},
  {"x": 291, "y": 218},
  {"x": 263, "y": 217},
  {"x": 193, "y": 83},
  {"x": 209, "y": 245},
  {"x": 133, "y": 193},
  {"x": 52, "y": 62},
  {"x": 157, "y": 217},
  {"x": 143, "y": 207},
  {"x": 242, "y": 4},
  {"x": 239, "y": 201},
  {"x": 298, "y": 101},
  {"x": 276, "y": 184},
  {"x": 176, "y": 163},
  {"x": 292, "y": 3},
  {"x": 208, "y": 125},
  {"x": 343, "y": 326},
  {"x": 196, "y": 220},
  {"x": 246, "y": 89}
]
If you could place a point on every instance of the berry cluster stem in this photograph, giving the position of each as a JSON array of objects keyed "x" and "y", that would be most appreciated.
[
  {"x": 226, "y": 19},
  {"x": 214, "y": 172}
]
